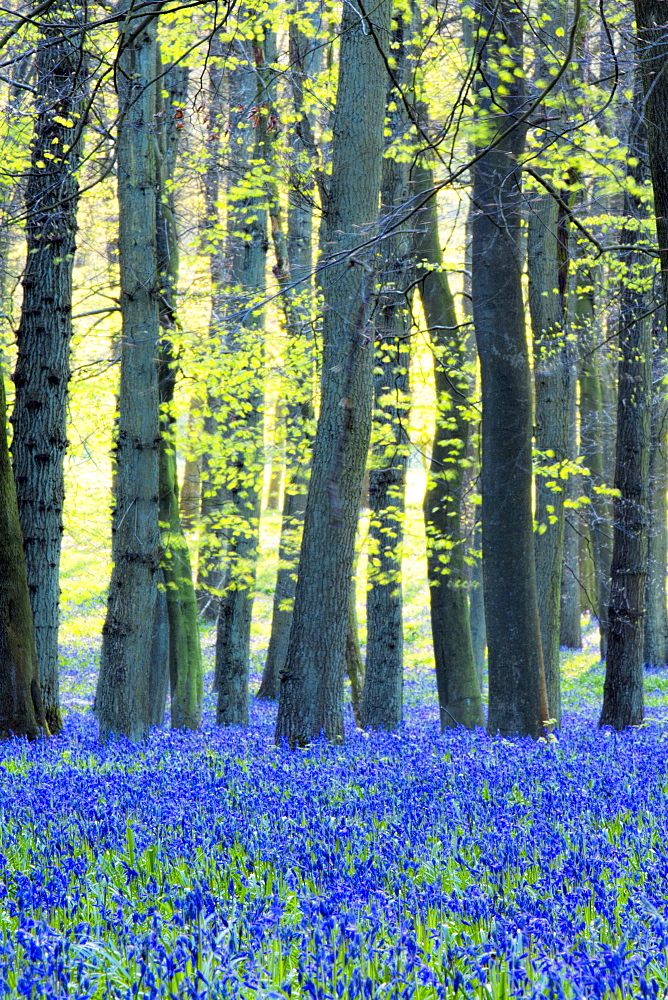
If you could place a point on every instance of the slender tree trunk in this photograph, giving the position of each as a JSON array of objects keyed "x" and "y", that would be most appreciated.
[
  {"x": 623, "y": 696},
  {"x": 592, "y": 447},
  {"x": 189, "y": 499},
  {"x": 570, "y": 628},
  {"x": 311, "y": 700},
  {"x": 554, "y": 387},
  {"x": 213, "y": 496},
  {"x": 458, "y": 686},
  {"x": 305, "y": 60},
  {"x": 21, "y": 709},
  {"x": 277, "y": 459},
  {"x": 554, "y": 380},
  {"x": 45, "y": 331},
  {"x": 517, "y": 693},
  {"x": 185, "y": 658},
  {"x": 656, "y": 619},
  {"x": 355, "y": 667},
  {"x": 244, "y": 457},
  {"x": 652, "y": 55},
  {"x": 123, "y": 697},
  {"x": 382, "y": 696}
]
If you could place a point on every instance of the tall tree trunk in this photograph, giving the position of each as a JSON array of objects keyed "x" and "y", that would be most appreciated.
[
  {"x": 45, "y": 332},
  {"x": 570, "y": 628},
  {"x": 189, "y": 498},
  {"x": 213, "y": 496},
  {"x": 517, "y": 693},
  {"x": 311, "y": 700},
  {"x": 459, "y": 697},
  {"x": 277, "y": 458},
  {"x": 244, "y": 470},
  {"x": 623, "y": 695},
  {"x": 592, "y": 447},
  {"x": 382, "y": 695},
  {"x": 305, "y": 59},
  {"x": 652, "y": 55},
  {"x": 554, "y": 387},
  {"x": 554, "y": 378},
  {"x": 122, "y": 699},
  {"x": 656, "y": 618},
  {"x": 21, "y": 709},
  {"x": 185, "y": 657}
]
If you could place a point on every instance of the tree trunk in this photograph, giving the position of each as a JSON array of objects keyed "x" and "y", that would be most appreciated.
[
  {"x": 185, "y": 657},
  {"x": 311, "y": 700},
  {"x": 244, "y": 467},
  {"x": 382, "y": 696},
  {"x": 189, "y": 499},
  {"x": 623, "y": 695},
  {"x": 277, "y": 459},
  {"x": 213, "y": 496},
  {"x": 554, "y": 389},
  {"x": 355, "y": 669},
  {"x": 122, "y": 699},
  {"x": 44, "y": 334},
  {"x": 299, "y": 363},
  {"x": 592, "y": 447},
  {"x": 656, "y": 618},
  {"x": 570, "y": 627},
  {"x": 517, "y": 693},
  {"x": 459, "y": 697},
  {"x": 652, "y": 56},
  {"x": 21, "y": 709}
]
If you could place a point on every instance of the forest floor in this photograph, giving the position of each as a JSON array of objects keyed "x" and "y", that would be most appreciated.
[{"x": 419, "y": 865}]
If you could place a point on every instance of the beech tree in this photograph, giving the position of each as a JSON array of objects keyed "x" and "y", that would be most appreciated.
[
  {"x": 43, "y": 338},
  {"x": 311, "y": 698},
  {"x": 123, "y": 693},
  {"x": 21, "y": 709},
  {"x": 517, "y": 693}
]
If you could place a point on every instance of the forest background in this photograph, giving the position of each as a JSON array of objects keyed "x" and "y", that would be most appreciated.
[{"x": 260, "y": 307}]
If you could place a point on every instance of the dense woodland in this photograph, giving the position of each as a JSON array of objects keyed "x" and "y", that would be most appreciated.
[{"x": 301, "y": 261}]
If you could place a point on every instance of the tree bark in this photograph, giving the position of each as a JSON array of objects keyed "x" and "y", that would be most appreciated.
[
  {"x": 244, "y": 467},
  {"x": 185, "y": 657},
  {"x": 554, "y": 388},
  {"x": 570, "y": 627},
  {"x": 656, "y": 618},
  {"x": 623, "y": 695},
  {"x": 592, "y": 447},
  {"x": 460, "y": 703},
  {"x": 517, "y": 693},
  {"x": 311, "y": 700},
  {"x": 652, "y": 56},
  {"x": 305, "y": 59},
  {"x": 21, "y": 709},
  {"x": 122, "y": 698},
  {"x": 45, "y": 332},
  {"x": 382, "y": 695}
]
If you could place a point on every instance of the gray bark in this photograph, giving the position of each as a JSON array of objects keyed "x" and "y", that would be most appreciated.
[
  {"x": 554, "y": 380},
  {"x": 305, "y": 61},
  {"x": 570, "y": 626},
  {"x": 185, "y": 658},
  {"x": 517, "y": 693},
  {"x": 123, "y": 697},
  {"x": 593, "y": 440},
  {"x": 243, "y": 474},
  {"x": 459, "y": 697},
  {"x": 21, "y": 710},
  {"x": 45, "y": 331},
  {"x": 311, "y": 700},
  {"x": 623, "y": 695},
  {"x": 212, "y": 537},
  {"x": 656, "y": 618},
  {"x": 382, "y": 696}
]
